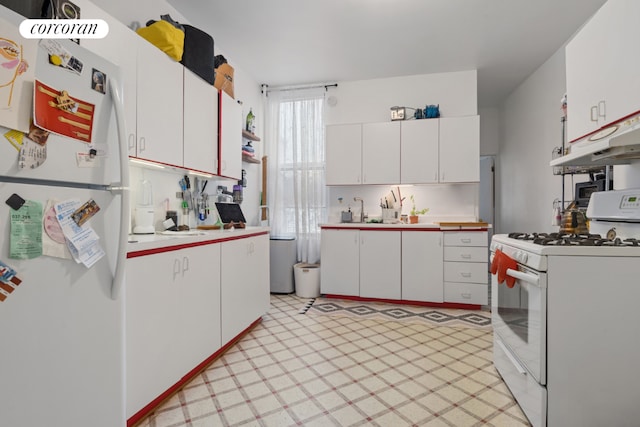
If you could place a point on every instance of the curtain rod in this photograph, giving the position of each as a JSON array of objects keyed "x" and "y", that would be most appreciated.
[{"x": 266, "y": 88}]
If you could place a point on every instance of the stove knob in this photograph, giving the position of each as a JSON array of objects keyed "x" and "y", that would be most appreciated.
[{"x": 523, "y": 257}]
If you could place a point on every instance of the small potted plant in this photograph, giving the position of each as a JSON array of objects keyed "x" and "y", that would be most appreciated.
[{"x": 413, "y": 214}]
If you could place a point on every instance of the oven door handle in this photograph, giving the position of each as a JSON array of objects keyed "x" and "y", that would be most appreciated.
[
  {"x": 521, "y": 370},
  {"x": 527, "y": 277}
]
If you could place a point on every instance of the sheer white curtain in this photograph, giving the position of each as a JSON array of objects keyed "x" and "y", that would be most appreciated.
[{"x": 296, "y": 180}]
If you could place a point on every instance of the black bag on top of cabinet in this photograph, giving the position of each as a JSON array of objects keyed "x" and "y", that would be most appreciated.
[{"x": 198, "y": 53}]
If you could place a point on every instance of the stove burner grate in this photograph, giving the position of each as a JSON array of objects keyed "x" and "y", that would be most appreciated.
[{"x": 563, "y": 239}]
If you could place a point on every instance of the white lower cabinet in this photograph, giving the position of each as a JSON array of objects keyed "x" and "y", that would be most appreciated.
[
  {"x": 245, "y": 283},
  {"x": 380, "y": 264},
  {"x": 340, "y": 262},
  {"x": 173, "y": 319},
  {"x": 422, "y": 266},
  {"x": 422, "y": 274},
  {"x": 466, "y": 275}
]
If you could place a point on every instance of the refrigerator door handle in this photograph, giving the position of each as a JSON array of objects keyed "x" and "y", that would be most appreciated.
[{"x": 123, "y": 189}]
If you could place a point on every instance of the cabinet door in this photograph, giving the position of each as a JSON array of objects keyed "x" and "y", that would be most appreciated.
[
  {"x": 588, "y": 56},
  {"x": 259, "y": 267},
  {"x": 381, "y": 153},
  {"x": 343, "y": 154},
  {"x": 198, "y": 311},
  {"x": 340, "y": 255},
  {"x": 422, "y": 266},
  {"x": 152, "y": 295},
  {"x": 380, "y": 264},
  {"x": 460, "y": 149},
  {"x": 244, "y": 284},
  {"x": 200, "y": 124},
  {"x": 622, "y": 33},
  {"x": 159, "y": 105},
  {"x": 419, "y": 152},
  {"x": 230, "y": 137}
]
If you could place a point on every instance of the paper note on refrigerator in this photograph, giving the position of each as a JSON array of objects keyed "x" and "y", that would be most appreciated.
[
  {"x": 81, "y": 240},
  {"x": 26, "y": 231}
]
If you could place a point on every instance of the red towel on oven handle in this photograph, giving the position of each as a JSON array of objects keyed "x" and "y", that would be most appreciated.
[
  {"x": 496, "y": 261},
  {"x": 509, "y": 263},
  {"x": 501, "y": 262}
]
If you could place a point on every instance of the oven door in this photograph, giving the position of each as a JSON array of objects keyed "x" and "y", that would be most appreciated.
[{"x": 519, "y": 317}]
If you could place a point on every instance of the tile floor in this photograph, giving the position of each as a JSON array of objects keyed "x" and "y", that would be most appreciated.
[{"x": 316, "y": 370}]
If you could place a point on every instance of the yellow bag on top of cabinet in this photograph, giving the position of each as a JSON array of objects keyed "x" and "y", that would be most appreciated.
[{"x": 166, "y": 37}]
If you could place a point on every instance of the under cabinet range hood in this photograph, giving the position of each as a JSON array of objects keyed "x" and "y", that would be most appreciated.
[{"x": 616, "y": 144}]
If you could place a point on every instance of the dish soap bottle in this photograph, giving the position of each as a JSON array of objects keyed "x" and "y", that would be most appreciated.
[{"x": 250, "y": 121}]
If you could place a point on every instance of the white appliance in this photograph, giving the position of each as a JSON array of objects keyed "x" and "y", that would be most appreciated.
[
  {"x": 144, "y": 211},
  {"x": 565, "y": 335},
  {"x": 62, "y": 328}
]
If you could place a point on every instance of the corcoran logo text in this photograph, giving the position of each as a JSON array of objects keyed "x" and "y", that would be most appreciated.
[{"x": 64, "y": 28}]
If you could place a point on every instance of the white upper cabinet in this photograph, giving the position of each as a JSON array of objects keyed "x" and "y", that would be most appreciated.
[
  {"x": 159, "y": 105},
  {"x": 230, "y": 137},
  {"x": 602, "y": 69},
  {"x": 200, "y": 124},
  {"x": 381, "y": 153},
  {"x": 419, "y": 153},
  {"x": 445, "y": 150},
  {"x": 343, "y": 154},
  {"x": 460, "y": 149}
]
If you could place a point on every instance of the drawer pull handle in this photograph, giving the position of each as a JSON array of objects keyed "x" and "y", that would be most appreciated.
[
  {"x": 465, "y": 256},
  {"x": 465, "y": 274},
  {"x": 465, "y": 240},
  {"x": 465, "y": 295}
]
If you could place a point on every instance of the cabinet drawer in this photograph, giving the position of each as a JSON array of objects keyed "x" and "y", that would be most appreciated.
[
  {"x": 466, "y": 254},
  {"x": 466, "y": 293},
  {"x": 465, "y": 238},
  {"x": 468, "y": 272}
]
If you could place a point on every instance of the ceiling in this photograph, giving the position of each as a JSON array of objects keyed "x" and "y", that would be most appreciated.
[{"x": 295, "y": 42}]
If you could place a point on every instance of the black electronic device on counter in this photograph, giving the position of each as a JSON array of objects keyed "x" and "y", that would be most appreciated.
[{"x": 230, "y": 212}]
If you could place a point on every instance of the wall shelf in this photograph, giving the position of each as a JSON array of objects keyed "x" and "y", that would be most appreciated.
[
  {"x": 249, "y": 135},
  {"x": 248, "y": 159}
]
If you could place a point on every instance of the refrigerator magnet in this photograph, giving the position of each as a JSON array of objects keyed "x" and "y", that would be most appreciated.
[
  {"x": 15, "y": 201},
  {"x": 98, "y": 81},
  {"x": 85, "y": 212}
]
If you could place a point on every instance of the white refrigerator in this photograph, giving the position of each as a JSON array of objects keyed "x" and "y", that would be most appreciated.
[{"x": 61, "y": 321}]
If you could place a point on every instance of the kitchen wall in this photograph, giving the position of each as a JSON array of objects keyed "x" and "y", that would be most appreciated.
[
  {"x": 247, "y": 90},
  {"x": 530, "y": 128},
  {"x": 366, "y": 101}
]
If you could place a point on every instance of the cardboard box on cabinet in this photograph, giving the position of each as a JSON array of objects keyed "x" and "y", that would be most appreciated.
[{"x": 224, "y": 79}]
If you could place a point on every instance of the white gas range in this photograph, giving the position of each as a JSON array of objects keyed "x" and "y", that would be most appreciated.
[{"x": 566, "y": 318}]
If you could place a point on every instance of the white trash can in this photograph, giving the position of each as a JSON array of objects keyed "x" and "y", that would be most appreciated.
[{"x": 307, "y": 278}]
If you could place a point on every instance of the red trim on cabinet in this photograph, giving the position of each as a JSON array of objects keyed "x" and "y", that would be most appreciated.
[
  {"x": 219, "y": 132},
  {"x": 184, "y": 168},
  {"x": 407, "y": 302},
  {"x": 605, "y": 126},
  {"x": 407, "y": 228},
  {"x": 145, "y": 252},
  {"x": 144, "y": 412},
  {"x": 381, "y": 228}
]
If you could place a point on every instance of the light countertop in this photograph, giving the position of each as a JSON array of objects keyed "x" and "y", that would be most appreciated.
[
  {"x": 401, "y": 226},
  {"x": 147, "y": 242}
]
